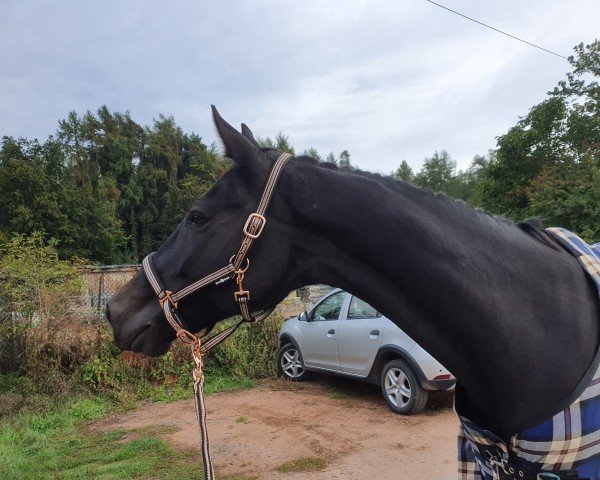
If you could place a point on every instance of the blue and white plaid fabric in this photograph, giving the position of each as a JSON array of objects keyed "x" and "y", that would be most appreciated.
[{"x": 568, "y": 440}]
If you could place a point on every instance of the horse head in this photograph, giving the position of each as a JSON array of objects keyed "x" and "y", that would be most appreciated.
[{"x": 205, "y": 240}]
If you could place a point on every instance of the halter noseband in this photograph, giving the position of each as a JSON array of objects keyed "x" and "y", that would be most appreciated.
[{"x": 252, "y": 230}]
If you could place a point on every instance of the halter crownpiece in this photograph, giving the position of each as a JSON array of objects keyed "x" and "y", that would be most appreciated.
[{"x": 169, "y": 301}]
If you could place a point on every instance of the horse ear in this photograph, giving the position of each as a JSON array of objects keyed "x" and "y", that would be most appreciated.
[
  {"x": 246, "y": 132},
  {"x": 237, "y": 147}
]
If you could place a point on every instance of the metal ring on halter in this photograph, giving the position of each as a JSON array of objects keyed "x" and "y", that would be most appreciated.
[
  {"x": 187, "y": 337},
  {"x": 167, "y": 296},
  {"x": 240, "y": 270}
]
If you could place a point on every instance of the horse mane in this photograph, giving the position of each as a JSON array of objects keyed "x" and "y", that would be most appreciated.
[{"x": 419, "y": 194}]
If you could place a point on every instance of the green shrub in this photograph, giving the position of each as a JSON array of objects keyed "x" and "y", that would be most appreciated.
[
  {"x": 35, "y": 285},
  {"x": 40, "y": 336},
  {"x": 13, "y": 346},
  {"x": 48, "y": 349},
  {"x": 251, "y": 351},
  {"x": 113, "y": 373}
]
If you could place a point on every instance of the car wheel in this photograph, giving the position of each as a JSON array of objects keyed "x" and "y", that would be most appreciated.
[
  {"x": 401, "y": 388},
  {"x": 290, "y": 363}
]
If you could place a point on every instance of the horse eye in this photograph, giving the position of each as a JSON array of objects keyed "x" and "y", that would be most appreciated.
[{"x": 196, "y": 218}]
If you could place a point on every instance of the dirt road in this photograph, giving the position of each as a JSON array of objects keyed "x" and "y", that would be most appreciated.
[{"x": 335, "y": 429}]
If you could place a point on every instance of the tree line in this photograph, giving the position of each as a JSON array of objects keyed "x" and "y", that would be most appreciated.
[
  {"x": 105, "y": 187},
  {"x": 110, "y": 190}
]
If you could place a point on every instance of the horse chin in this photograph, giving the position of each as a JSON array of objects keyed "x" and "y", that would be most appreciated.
[
  {"x": 150, "y": 342},
  {"x": 149, "y": 337}
]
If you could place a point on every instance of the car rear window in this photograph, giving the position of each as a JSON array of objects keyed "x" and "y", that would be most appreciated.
[{"x": 361, "y": 309}]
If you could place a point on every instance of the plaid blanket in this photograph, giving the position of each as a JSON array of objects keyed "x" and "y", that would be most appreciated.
[{"x": 570, "y": 440}]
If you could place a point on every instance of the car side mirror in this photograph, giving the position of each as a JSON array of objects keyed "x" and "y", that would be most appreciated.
[{"x": 303, "y": 317}]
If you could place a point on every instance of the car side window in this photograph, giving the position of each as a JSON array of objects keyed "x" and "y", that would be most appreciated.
[
  {"x": 329, "y": 309},
  {"x": 361, "y": 309}
]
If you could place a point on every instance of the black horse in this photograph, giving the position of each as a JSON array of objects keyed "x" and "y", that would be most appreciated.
[{"x": 509, "y": 313}]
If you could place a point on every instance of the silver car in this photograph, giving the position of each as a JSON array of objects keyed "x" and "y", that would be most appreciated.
[{"x": 344, "y": 335}]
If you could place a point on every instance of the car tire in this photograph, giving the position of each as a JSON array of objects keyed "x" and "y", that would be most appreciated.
[
  {"x": 402, "y": 389},
  {"x": 290, "y": 364}
]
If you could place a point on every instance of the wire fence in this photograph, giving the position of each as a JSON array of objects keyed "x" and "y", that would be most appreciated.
[{"x": 102, "y": 282}]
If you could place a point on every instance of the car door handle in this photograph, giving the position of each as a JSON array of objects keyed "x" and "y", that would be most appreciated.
[
  {"x": 330, "y": 332},
  {"x": 374, "y": 332}
]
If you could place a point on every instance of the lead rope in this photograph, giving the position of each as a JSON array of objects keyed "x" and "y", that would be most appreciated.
[
  {"x": 209, "y": 473},
  {"x": 198, "y": 350}
]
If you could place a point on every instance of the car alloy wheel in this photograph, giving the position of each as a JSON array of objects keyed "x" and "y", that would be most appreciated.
[
  {"x": 401, "y": 388},
  {"x": 290, "y": 363},
  {"x": 397, "y": 388}
]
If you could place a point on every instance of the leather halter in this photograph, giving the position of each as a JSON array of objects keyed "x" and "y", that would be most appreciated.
[
  {"x": 169, "y": 302},
  {"x": 252, "y": 230}
]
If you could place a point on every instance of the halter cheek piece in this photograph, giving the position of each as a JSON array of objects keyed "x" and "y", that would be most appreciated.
[{"x": 253, "y": 228}]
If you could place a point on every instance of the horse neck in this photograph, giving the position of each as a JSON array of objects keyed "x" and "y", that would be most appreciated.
[{"x": 490, "y": 302}]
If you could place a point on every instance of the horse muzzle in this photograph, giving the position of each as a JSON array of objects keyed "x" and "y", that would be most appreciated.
[{"x": 138, "y": 324}]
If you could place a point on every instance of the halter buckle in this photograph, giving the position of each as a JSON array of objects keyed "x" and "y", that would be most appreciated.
[
  {"x": 259, "y": 228},
  {"x": 242, "y": 296},
  {"x": 167, "y": 296}
]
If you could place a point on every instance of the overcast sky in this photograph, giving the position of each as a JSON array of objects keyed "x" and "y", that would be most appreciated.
[{"x": 387, "y": 80}]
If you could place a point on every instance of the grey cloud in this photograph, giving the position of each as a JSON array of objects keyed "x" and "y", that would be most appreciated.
[{"x": 387, "y": 80}]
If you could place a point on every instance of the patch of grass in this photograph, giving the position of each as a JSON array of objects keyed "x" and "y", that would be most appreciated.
[
  {"x": 339, "y": 395},
  {"x": 241, "y": 419},
  {"x": 52, "y": 442},
  {"x": 55, "y": 445},
  {"x": 217, "y": 380},
  {"x": 304, "y": 464}
]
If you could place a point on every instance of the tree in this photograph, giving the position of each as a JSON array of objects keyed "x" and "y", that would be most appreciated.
[
  {"x": 581, "y": 90},
  {"x": 404, "y": 172},
  {"x": 554, "y": 138},
  {"x": 174, "y": 170},
  {"x": 280, "y": 143},
  {"x": 523, "y": 152},
  {"x": 312, "y": 152},
  {"x": 344, "y": 159},
  {"x": 29, "y": 191},
  {"x": 437, "y": 173},
  {"x": 39, "y": 191},
  {"x": 331, "y": 158},
  {"x": 568, "y": 194},
  {"x": 471, "y": 180}
]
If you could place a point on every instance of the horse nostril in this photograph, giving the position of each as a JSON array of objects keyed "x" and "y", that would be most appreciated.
[{"x": 107, "y": 313}]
